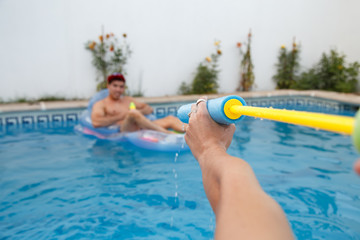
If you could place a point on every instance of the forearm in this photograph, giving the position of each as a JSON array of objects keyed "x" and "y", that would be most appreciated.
[
  {"x": 244, "y": 209},
  {"x": 99, "y": 121},
  {"x": 146, "y": 110},
  {"x": 215, "y": 165},
  {"x": 241, "y": 207}
]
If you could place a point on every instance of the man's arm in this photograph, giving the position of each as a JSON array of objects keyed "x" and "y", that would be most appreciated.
[
  {"x": 99, "y": 118},
  {"x": 242, "y": 209},
  {"x": 144, "y": 108}
]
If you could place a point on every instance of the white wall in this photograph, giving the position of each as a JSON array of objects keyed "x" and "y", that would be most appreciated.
[{"x": 42, "y": 42}]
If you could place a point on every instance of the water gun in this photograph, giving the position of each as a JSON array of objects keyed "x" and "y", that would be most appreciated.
[
  {"x": 132, "y": 106},
  {"x": 231, "y": 109}
]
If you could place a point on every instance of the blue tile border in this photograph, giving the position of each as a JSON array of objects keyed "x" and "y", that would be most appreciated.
[
  {"x": 9, "y": 122},
  {"x": 172, "y": 111},
  {"x": 160, "y": 111},
  {"x": 71, "y": 116},
  {"x": 44, "y": 118},
  {"x": 40, "y": 119},
  {"x": 57, "y": 118},
  {"x": 27, "y": 120}
]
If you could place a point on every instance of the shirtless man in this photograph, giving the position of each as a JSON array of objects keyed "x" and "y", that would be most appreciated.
[{"x": 114, "y": 109}]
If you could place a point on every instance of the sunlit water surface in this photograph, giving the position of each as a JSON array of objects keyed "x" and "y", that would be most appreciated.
[{"x": 57, "y": 184}]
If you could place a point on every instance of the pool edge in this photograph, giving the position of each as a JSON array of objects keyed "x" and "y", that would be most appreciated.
[{"x": 346, "y": 98}]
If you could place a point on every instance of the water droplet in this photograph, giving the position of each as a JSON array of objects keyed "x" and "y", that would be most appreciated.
[
  {"x": 176, "y": 156},
  {"x": 183, "y": 143}
]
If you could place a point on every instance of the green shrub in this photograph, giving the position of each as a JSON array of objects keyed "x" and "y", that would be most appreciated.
[
  {"x": 247, "y": 76},
  {"x": 287, "y": 67},
  {"x": 109, "y": 56},
  {"x": 331, "y": 73},
  {"x": 184, "y": 89},
  {"x": 205, "y": 80},
  {"x": 206, "y": 77}
]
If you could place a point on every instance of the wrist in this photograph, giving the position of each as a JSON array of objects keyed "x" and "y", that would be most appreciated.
[{"x": 210, "y": 155}]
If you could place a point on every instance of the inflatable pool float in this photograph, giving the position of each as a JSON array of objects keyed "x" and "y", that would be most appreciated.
[{"x": 147, "y": 139}]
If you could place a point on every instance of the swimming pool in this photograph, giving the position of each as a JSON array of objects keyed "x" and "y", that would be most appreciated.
[{"x": 56, "y": 184}]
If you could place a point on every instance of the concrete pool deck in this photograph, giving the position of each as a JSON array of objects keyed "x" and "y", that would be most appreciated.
[{"x": 348, "y": 98}]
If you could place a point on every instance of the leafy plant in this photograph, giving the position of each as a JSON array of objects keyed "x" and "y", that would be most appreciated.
[
  {"x": 331, "y": 73},
  {"x": 287, "y": 67},
  {"x": 205, "y": 80},
  {"x": 109, "y": 56},
  {"x": 246, "y": 67},
  {"x": 184, "y": 88}
]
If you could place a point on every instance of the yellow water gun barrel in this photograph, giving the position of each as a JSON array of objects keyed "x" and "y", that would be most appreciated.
[{"x": 334, "y": 123}]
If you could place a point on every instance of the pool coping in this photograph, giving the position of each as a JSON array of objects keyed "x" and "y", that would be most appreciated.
[{"x": 347, "y": 98}]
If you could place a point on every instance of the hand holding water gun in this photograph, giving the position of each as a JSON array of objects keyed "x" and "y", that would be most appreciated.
[
  {"x": 200, "y": 139},
  {"x": 231, "y": 109}
]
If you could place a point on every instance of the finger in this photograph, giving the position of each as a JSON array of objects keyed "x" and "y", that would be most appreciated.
[
  {"x": 231, "y": 130},
  {"x": 202, "y": 99},
  {"x": 232, "y": 127},
  {"x": 192, "y": 112},
  {"x": 194, "y": 108},
  {"x": 357, "y": 166},
  {"x": 202, "y": 103},
  {"x": 186, "y": 128}
]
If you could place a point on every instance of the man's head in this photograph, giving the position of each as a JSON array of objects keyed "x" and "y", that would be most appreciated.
[
  {"x": 115, "y": 76},
  {"x": 116, "y": 85}
]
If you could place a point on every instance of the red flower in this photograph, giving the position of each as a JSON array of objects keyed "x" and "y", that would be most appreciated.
[
  {"x": 101, "y": 38},
  {"x": 112, "y": 48},
  {"x": 107, "y": 36},
  {"x": 238, "y": 44}
]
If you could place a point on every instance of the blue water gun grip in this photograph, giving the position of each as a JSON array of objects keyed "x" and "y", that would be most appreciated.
[{"x": 215, "y": 108}]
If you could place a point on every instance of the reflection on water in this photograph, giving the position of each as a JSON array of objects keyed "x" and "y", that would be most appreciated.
[
  {"x": 242, "y": 134},
  {"x": 56, "y": 184}
]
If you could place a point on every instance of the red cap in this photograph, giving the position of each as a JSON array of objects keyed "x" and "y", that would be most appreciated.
[{"x": 115, "y": 76}]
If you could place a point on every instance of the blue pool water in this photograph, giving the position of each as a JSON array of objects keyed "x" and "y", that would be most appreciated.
[{"x": 57, "y": 184}]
